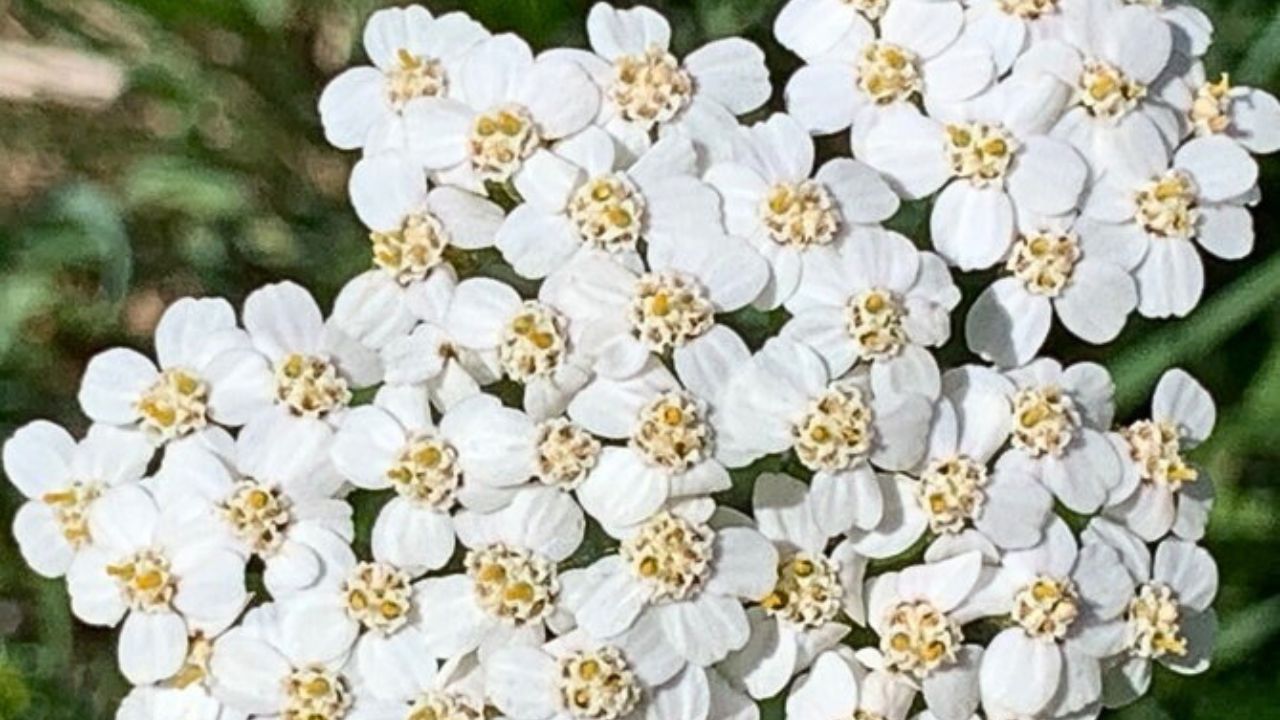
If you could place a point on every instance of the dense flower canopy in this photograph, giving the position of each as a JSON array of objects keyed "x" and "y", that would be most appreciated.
[{"x": 680, "y": 306}]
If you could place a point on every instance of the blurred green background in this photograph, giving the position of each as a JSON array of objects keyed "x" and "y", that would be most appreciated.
[{"x": 151, "y": 149}]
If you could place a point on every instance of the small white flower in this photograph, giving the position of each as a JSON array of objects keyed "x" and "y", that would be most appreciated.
[
  {"x": 1060, "y": 417},
  {"x": 585, "y": 196},
  {"x": 634, "y": 676},
  {"x": 1065, "y": 604},
  {"x": 1112, "y": 56},
  {"x": 1168, "y": 620},
  {"x": 455, "y": 691},
  {"x": 1162, "y": 491},
  {"x": 784, "y": 399},
  {"x": 687, "y": 576},
  {"x": 410, "y": 231},
  {"x": 876, "y": 301},
  {"x": 414, "y": 55},
  {"x": 918, "y": 613},
  {"x": 257, "y": 673},
  {"x": 1051, "y": 269},
  {"x": 186, "y": 695},
  {"x": 624, "y": 317},
  {"x": 675, "y": 450},
  {"x": 647, "y": 91},
  {"x": 428, "y": 356},
  {"x": 956, "y": 488},
  {"x": 505, "y": 105},
  {"x": 771, "y": 200},
  {"x": 536, "y": 342},
  {"x": 164, "y": 584},
  {"x": 191, "y": 388},
  {"x": 61, "y": 480},
  {"x": 299, "y": 366},
  {"x": 799, "y": 618},
  {"x": 1154, "y": 214},
  {"x": 854, "y": 72},
  {"x": 270, "y": 494},
  {"x": 994, "y": 159},
  {"x": 1012, "y": 27},
  {"x": 1250, "y": 116},
  {"x": 839, "y": 687},
  {"x": 511, "y": 590}
]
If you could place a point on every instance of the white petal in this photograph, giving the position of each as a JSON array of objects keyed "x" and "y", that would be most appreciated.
[
  {"x": 1179, "y": 398},
  {"x": 112, "y": 384},
  {"x": 1220, "y": 167},
  {"x": 411, "y": 537},
  {"x": 731, "y": 72},
  {"x": 1226, "y": 231},
  {"x": 351, "y": 105},
  {"x": 706, "y": 628},
  {"x": 1189, "y": 571},
  {"x": 745, "y": 564},
  {"x": 896, "y": 147},
  {"x": 470, "y": 221},
  {"x": 283, "y": 318},
  {"x": 152, "y": 646},
  {"x": 1170, "y": 279},
  {"x": 1019, "y": 673},
  {"x": 561, "y": 97},
  {"x": 822, "y": 98},
  {"x": 622, "y": 490},
  {"x": 1007, "y": 325},
  {"x": 614, "y": 32},
  {"x": 972, "y": 227},
  {"x": 1048, "y": 177},
  {"x": 38, "y": 458},
  {"x": 1097, "y": 303},
  {"x": 521, "y": 682}
]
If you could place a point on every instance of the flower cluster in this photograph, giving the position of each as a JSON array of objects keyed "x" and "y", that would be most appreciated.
[{"x": 550, "y": 466}]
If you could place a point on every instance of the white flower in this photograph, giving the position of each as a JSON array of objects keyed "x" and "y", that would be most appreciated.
[
  {"x": 191, "y": 388},
  {"x": 1065, "y": 604},
  {"x": 585, "y": 196},
  {"x": 798, "y": 619},
  {"x": 410, "y": 231},
  {"x": 165, "y": 585},
  {"x": 186, "y": 695},
  {"x": 1250, "y": 116},
  {"x": 1154, "y": 214},
  {"x": 1168, "y": 620},
  {"x": 839, "y": 687},
  {"x": 455, "y": 691},
  {"x": 504, "y": 106},
  {"x": 688, "y": 576},
  {"x": 956, "y": 488},
  {"x": 61, "y": 480},
  {"x": 675, "y": 447},
  {"x": 853, "y": 72},
  {"x": 256, "y": 672},
  {"x": 1051, "y": 269},
  {"x": 648, "y": 91},
  {"x": 477, "y": 456},
  {"x": 995, "y": 161},
  {"x": 414, "y": 55},
  {"x": 428, "y": 356},
  {"x": 634, "y": 676},
  {"x": 269, "y": 494},
  {"x": 878, "y": 301},
  {"x": 1162, "y": 491},
  {"x": 299, "y": 366},
  {"x": 510, "y": 590},
  {"x": 1112, "y": 57},
  {"x": 536, "y": 342},
  {"x": 771, "y": 200},
  {"x": 1060, "y": 418},
  {"x": 623, "y": 317},
  {"x": 1011, "y": 27},
  {"x": 918, "y": 613},
  {"x": 839, "y": 428}
]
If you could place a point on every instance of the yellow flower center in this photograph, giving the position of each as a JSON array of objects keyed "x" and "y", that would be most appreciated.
[
  {"x": 414, "y": 77},
  {"x": 672, "y": 433},
  {"x": 873, "y": 319},
  {"x": 1106, "y": 92},
  {"x": 1028, "y": 9},
  {"x": 651, "y": 88},
  {"x": 1044, "y": 421},
  {"x": 668, "y": 310},
  {"x": 379, "y": 596},
  {"x": 608, "y": 212},
  {"x": 513, "y": 584},
  {"x": 951, "y": 492},
  {"x": 597, "y": 685},
  {"x": 800, "y": 215},
  {"x": 1166, "y": 206},
  {"x": 981, "y": 153},
  {"x": 410, "y": 252},
  {"x": 427, "y": 473},
  {"x": 888, "y": 73},
  {"x": 145, "y": 581},
  {"x": 1152, "y": 628},
  {"x": 566, "y": 453},
  {"x": 670, "y": 555},
  {"x": 1046, "y": 608},
  {"x": 195, "y": 669},
  {"x": 310, "y": 386},
  {"x": 501, "y": 140},
  {"x": 70, "y": 507},
  {"x": 533, "y": 342},
  {"x": 1044, "y": 261},
  {"x": 919, "y": 639},
  {"x": 835, "y": 432},
  {"x": 445, "y": 706},
  {"x": 316, "y": 694},
  {"x": 808, "y": 591},
  {"x": 258, "y": 515},
  {"x": 1210, "y": 112},
  {"x": 175, "y": 405},
  {"x": 1156, "y": 449}
]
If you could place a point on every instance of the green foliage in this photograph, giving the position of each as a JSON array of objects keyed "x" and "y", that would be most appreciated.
[{"x": 209, "y": 175}]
